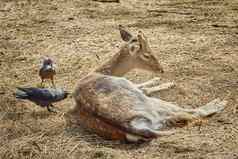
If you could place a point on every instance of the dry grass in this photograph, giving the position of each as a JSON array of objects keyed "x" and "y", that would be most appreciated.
[{"x": 196, "y": 40}]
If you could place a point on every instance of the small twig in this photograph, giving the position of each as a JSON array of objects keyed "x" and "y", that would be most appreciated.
[
  {"x": 108, "y": 1},
  {"x": 97, "y": 56},
  {"x": 235, "y": 129},
  {"x": 72, "y": 150},
  {"x": 224, "y": 26},
  {"x": 166, "y": 11},
  {"x": 2, "y": 115}
]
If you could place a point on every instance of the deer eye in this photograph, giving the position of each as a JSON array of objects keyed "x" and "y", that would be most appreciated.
[
  {"x": 134, "y": 40},
  {"x": 146, "y": 56}
]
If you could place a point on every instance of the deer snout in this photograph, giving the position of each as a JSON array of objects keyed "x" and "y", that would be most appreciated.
[{"x": 161, "y": 70}]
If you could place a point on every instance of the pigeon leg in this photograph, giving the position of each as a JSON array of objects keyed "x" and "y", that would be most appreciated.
[
  {"x": 42, "y": 81},
  {"x": 53, "y": 83}
]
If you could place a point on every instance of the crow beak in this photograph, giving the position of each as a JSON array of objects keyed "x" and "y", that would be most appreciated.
[{"x": 69, "y": 94}]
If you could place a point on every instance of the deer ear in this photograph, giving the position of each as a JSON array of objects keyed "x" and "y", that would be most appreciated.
[
  {"x": 125, "y": 35},
  {"x": 142, "y": 39}
]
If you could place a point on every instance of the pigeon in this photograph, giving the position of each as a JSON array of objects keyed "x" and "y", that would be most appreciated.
[
  {"x": 47, "y": 71},
  {"x": 41, "y": 96}
]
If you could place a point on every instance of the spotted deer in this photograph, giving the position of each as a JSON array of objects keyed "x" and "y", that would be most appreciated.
[{"x": 115, "y": 108}]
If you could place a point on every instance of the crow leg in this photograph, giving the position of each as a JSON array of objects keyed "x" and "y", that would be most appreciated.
[{"x": 49, "y": 108}]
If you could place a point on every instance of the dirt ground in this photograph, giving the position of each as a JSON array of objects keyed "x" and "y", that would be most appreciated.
[{"x": 196, "y": 41}]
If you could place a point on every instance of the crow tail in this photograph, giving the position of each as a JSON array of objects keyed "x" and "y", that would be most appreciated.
[{"x": 20, "y": 94}]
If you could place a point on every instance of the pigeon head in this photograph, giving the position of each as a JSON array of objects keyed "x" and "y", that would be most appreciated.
[{"x": 47, "y": 61}]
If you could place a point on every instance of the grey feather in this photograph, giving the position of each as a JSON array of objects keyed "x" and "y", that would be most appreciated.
[{"x": 41, "y": 96}]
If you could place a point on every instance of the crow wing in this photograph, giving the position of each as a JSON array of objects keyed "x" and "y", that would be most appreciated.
[{"x": 37, "y": 93}]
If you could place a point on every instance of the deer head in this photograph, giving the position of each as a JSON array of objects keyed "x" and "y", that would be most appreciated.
[{"x": 140, "y": 51}]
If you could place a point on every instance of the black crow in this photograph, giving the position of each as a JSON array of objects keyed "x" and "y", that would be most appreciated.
[{"x": 41, "y": 96}]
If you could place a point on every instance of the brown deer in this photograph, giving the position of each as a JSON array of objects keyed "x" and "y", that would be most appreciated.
[{"x": 116, "y": 108}]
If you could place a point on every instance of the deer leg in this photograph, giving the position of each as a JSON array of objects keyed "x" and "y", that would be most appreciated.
[
  {"x": 215, "y": 106},
  {"x": 164, "y": 86},
  {"x": 149, "y": 83},
  {"x": 136, "y": 139},
  {"x": 192, "y": 117}
]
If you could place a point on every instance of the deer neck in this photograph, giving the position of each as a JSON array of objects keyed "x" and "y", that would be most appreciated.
[{"x": 118, "y": 65}]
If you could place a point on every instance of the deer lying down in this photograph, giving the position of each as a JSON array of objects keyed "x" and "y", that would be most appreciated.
[{"x": 115, "y": 108}]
